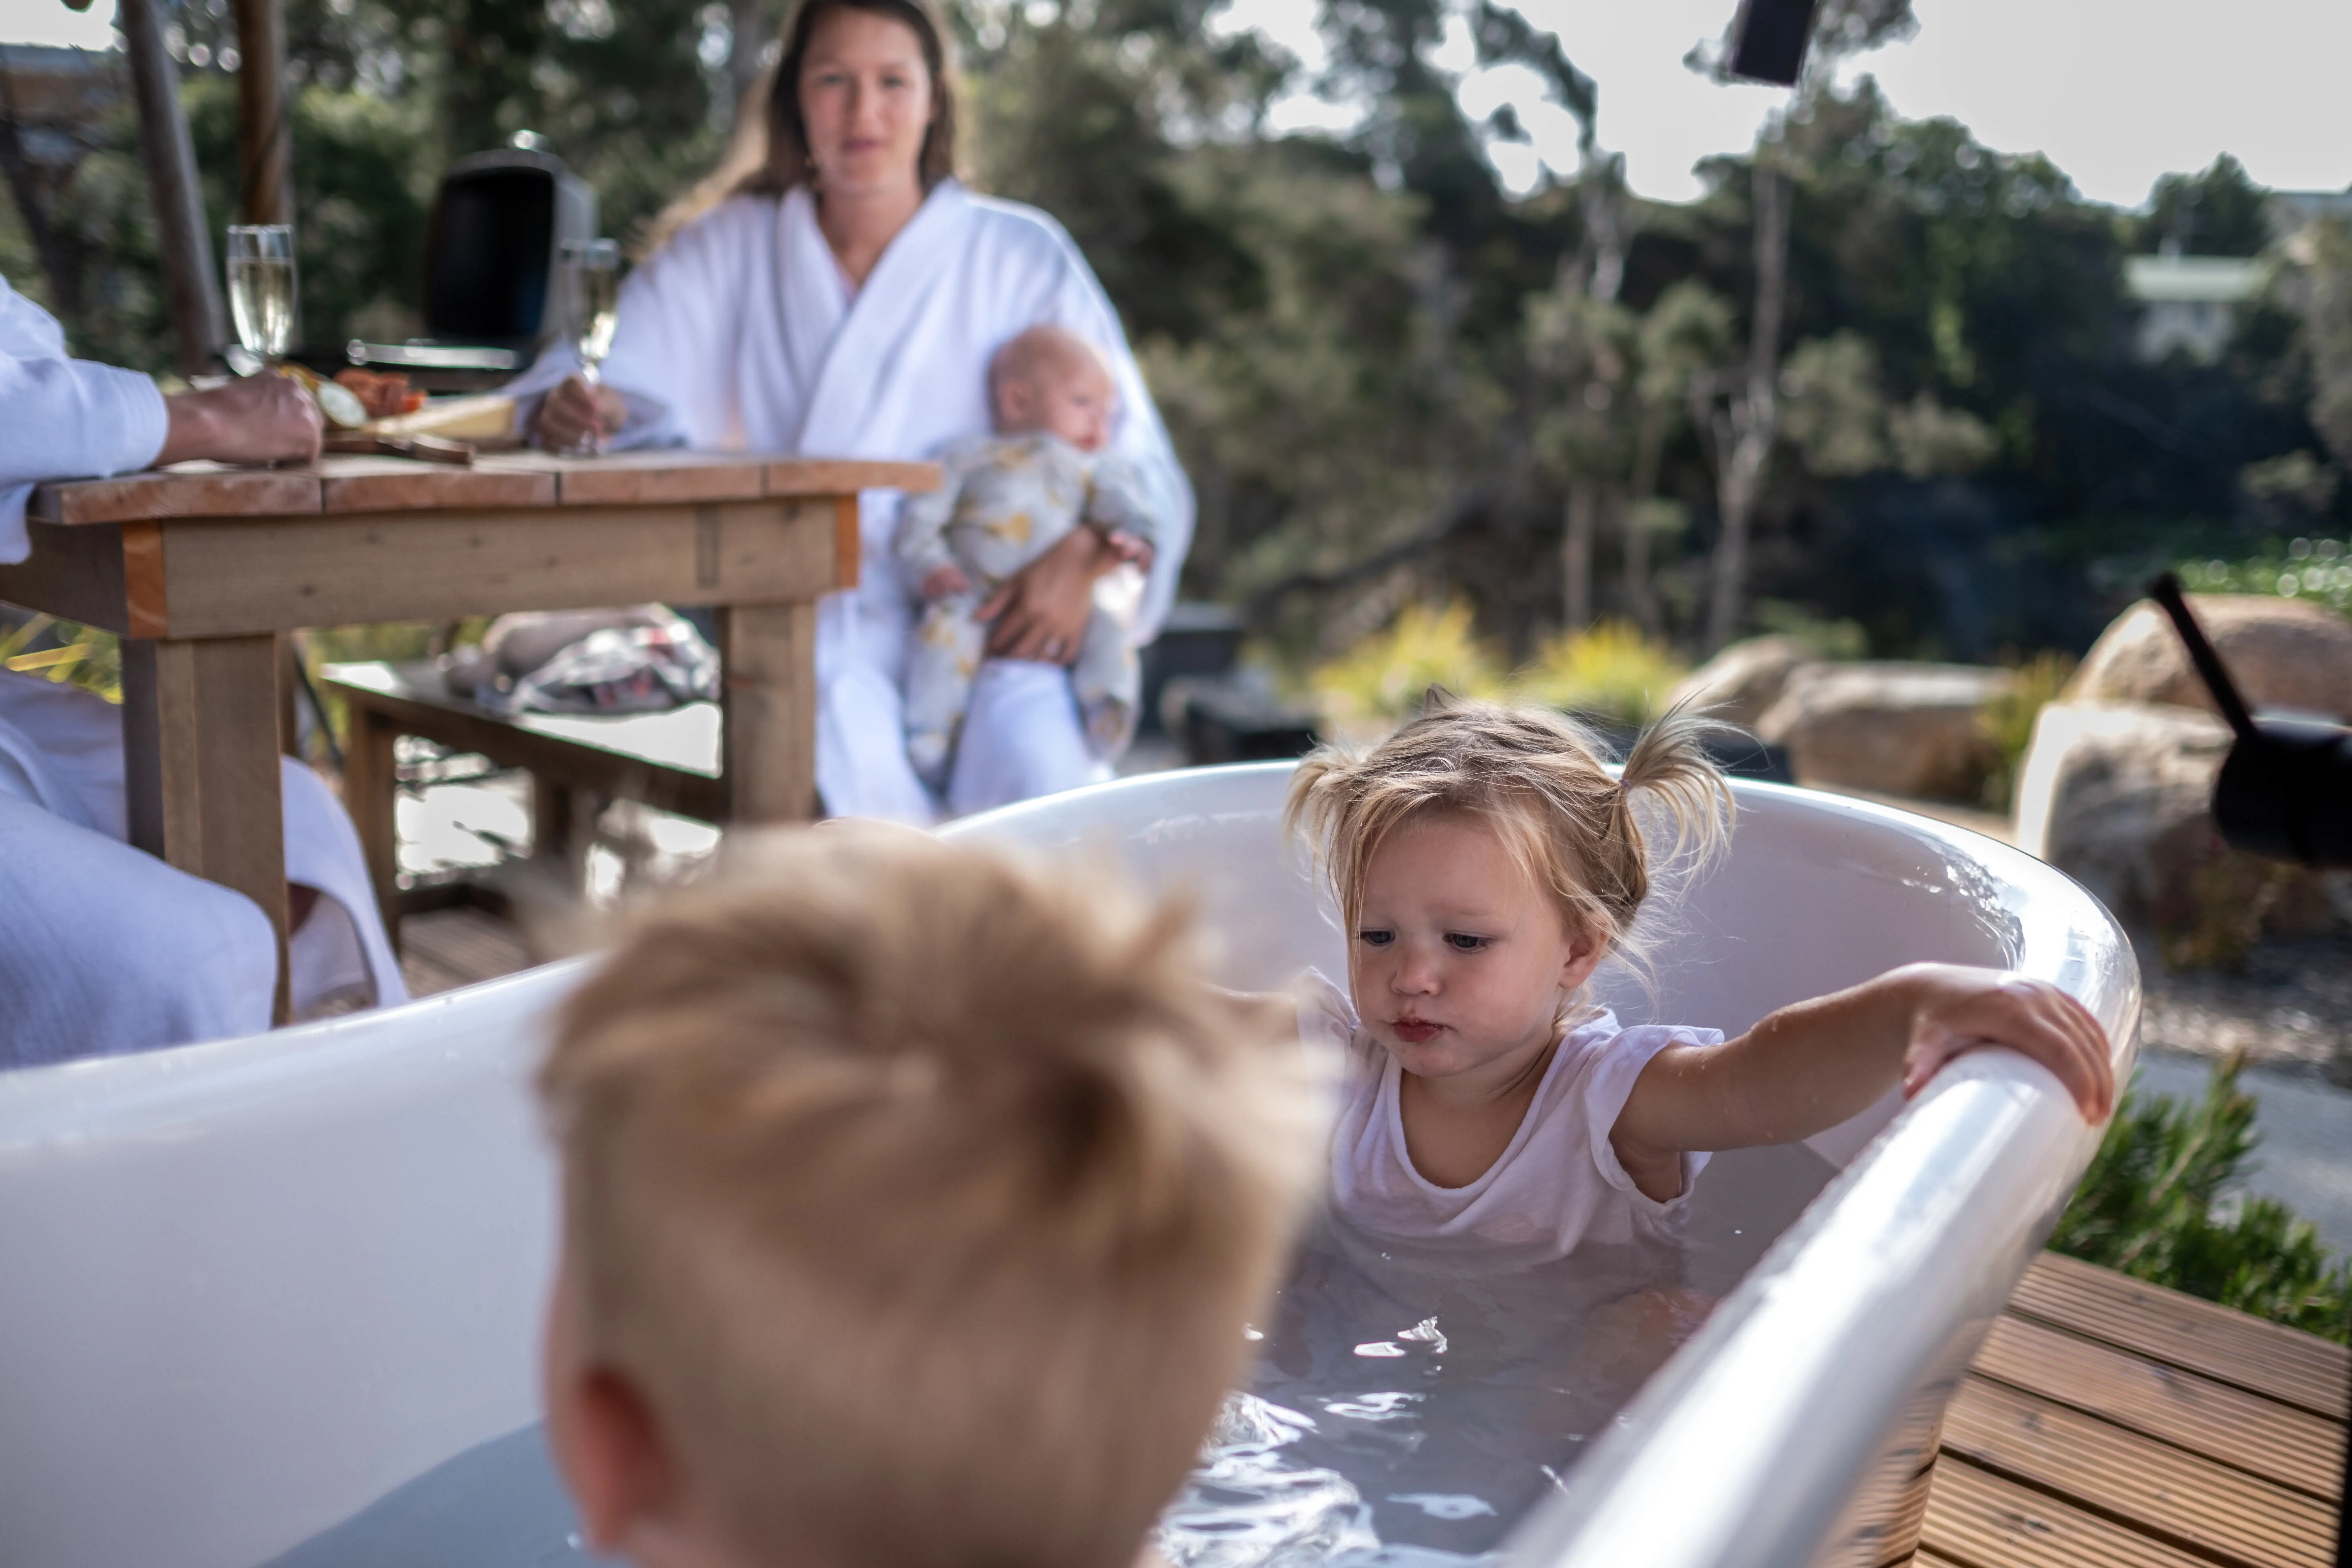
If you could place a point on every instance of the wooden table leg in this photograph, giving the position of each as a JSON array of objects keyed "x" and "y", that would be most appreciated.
[
  {"x": 370, "y": 793},
  {"x": 768, "y": 656},
  {"x": 199, "y": 748}
]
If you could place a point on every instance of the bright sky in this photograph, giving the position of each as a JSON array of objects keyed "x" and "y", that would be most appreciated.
[{"x": 2116, "y": 91}]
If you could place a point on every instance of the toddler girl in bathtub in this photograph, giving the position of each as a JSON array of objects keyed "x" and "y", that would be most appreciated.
[{"x": 1485, "y": 864}]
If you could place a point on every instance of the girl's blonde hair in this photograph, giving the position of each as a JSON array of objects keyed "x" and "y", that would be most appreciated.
[{"x": 1536, "y": 778}]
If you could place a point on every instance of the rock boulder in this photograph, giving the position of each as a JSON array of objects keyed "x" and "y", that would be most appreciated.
[
  {"x": 2282, "y": 653},
  {"x": 2117, "y": 796},
  {"x": 1740, "y": 684},
  {"x": 1892, "y": 729}
]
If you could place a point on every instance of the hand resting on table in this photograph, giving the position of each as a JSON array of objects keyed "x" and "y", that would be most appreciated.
[{"x": 256, "y": 419}]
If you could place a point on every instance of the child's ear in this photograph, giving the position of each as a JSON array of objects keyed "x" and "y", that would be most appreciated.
[
  {"x": 1588, "y": 945},
  {"x": 1014, "y": 403},
  {"x": 613, "y": 1458},
  {"x": 606, "y": 1444}
]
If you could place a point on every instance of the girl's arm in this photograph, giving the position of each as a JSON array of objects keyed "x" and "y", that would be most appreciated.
[{"x": 1808, "y": 1067}]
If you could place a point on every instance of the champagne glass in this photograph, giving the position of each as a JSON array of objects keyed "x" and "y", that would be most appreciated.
[
  {"x": 592, "y": 271},
  {"x": 261, "y": 289}
]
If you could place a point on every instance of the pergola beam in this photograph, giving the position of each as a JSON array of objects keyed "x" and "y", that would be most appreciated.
[
  {"x": 198, "y": 330},
  {"x": 265, "y": 136}
]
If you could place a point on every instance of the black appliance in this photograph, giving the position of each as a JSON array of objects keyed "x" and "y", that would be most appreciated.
[{"x": 493, "y": 291}]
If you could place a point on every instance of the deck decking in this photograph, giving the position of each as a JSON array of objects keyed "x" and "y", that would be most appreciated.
[
  {"x": 2105, "y": 1423},
  {"x": 2110, "y": 1423}
]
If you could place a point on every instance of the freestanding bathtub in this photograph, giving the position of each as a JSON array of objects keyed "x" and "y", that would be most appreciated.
[{"x": 248, "y": 1287}]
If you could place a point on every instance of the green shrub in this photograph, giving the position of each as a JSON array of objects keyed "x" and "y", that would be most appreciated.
[
  {"x": 1612, "y": 670},
  {"x": 1380, "y": 682},
  {"x": 2319, "y": 570},
  {"x": 66, "y": 653},
  {"x": 2152, "y": 1206}
]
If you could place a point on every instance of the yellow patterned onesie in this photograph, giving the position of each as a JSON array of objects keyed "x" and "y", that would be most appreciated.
[{"x": 1007, "y": 499}]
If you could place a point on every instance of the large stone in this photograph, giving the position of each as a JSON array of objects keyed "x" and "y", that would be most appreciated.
[
  {"x": 1892, "y": 729},
  {"x": 2282, "y": 654},
  {"x": 2118, "y": 796},
  {"x": 1742, "y": 682}
]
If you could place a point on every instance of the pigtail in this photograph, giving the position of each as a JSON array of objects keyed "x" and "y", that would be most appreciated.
[{"x": 1670, "y": 771}]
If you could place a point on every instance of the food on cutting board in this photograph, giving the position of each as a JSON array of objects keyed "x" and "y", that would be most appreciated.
[{"x": 385, "y": 395}]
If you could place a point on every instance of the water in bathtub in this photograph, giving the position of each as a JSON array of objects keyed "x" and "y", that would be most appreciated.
[{"x": 1406, "y": 1409}]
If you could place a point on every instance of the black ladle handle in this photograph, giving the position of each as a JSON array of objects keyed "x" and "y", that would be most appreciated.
[{"x": 2166, "y": 591}]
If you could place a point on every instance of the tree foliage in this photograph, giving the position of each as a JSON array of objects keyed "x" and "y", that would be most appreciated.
[{"x": 1387, "y": 376}]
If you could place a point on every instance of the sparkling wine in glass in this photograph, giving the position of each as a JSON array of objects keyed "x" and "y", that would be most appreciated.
[
  {"x": 261, "y": 288},
  {"x": 592, "y": 270}
]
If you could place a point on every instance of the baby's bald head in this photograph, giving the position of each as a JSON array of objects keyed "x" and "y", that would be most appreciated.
[{"x": 1051, "y": 379}]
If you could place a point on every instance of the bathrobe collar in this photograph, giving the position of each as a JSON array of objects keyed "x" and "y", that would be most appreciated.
[{"x": 846, "y": 352}]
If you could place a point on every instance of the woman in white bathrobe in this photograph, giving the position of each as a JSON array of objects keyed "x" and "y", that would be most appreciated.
[
  {"x": 104, "y": 949},
  {"x": 842, "y": 298}
]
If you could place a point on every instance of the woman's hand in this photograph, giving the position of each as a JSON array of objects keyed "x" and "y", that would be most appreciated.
[
  {"x": 575, "y": 411},
  {"x": 1042, "y": 612}
]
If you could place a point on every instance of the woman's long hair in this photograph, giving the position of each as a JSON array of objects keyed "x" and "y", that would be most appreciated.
[{"x": 770, "y": 154}]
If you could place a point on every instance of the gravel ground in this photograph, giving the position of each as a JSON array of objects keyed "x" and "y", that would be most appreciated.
[{"x": 2289, "y": 1010}]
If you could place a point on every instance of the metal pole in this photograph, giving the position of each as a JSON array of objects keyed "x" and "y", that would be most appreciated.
[
  {"x": 198, "y": 326},
  {"x": 264, "y": 139}
]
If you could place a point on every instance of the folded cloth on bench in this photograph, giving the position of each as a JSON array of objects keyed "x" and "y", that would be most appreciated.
[{"x": 105, "y": 950}]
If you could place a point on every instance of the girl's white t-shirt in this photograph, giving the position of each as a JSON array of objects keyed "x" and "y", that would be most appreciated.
[{"x": 1557, "y": 1186}]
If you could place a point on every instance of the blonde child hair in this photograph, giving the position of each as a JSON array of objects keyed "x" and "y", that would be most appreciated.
[
  {"x": 1536, "y": 777},
  {"x": 923, "y": 1195}
]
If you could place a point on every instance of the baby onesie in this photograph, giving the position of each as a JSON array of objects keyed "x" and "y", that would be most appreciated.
[
  {"x": 1007, "y": 499},
  {"x": 1557, "y": 1184}
]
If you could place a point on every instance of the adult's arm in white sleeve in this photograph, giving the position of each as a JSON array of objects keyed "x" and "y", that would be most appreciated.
[
  {"x": 1080, "y": 305},
  {"x": 63, "y": 418},
  {"x": 671, "y": 342}
]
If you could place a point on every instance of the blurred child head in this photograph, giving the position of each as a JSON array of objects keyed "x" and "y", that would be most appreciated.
[
  {"x": 913, "y": 1204},
  {"x": 1527, "y": 790},
  {"x": 1053, "y": 380}
]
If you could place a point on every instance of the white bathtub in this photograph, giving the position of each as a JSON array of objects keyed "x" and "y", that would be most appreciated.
[{"x": 248, "y": 1287}]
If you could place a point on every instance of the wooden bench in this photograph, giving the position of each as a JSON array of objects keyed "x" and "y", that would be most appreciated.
[{"x": 577, "y": 762}]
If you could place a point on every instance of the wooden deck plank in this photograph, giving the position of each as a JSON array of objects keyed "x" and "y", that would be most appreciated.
[
  {"x": 2259, "y": 1436},
  {"x": 449, "y": 948},
  {"x": 2183, "y": 1500},
  {"x": 2181, "y": 1330},
  {"x": 1976, "y": 1520}
]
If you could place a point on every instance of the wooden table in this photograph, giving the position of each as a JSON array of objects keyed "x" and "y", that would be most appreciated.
[{"x": 202, "y": 569}]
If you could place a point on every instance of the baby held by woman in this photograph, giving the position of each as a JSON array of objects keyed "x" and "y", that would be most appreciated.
[
  {"x": 1007, "y": 497},
  {"x": 1485, "y": 864}
]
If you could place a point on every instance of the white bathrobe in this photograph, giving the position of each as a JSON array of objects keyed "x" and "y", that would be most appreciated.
[
  {"x": 104, "y": 949},
  {"x": 744, "y": 334}
]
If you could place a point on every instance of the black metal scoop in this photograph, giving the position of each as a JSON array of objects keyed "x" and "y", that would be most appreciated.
[{"x": 2286, "y": 789}]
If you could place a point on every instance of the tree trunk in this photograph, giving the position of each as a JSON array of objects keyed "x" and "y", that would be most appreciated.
[
  {"x": 59, "y": 262},
  {"x": 264, "y": 139},
  {"x": 1576, "y": 554},
  {"x": 1755, "y": 411},
  {"x": 1648, "y": 453},
  {"x": 753, "y": 24},
  {"x": 182, "y": 232}
]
